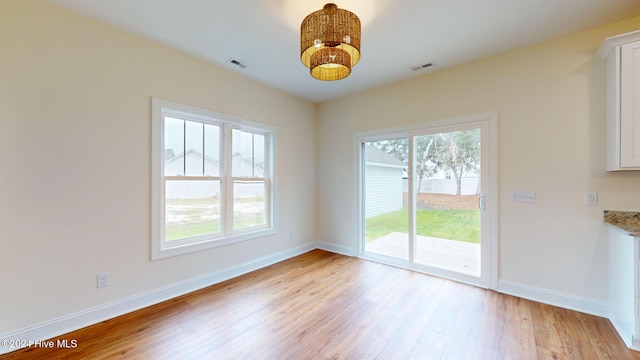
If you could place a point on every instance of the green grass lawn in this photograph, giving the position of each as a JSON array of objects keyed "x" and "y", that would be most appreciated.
[
  {"x": 189, "y": 230},
  {"x": 182, "y": 231},
  {"x": 463, "y": 225},
  {"x": 202, "y": 216}
]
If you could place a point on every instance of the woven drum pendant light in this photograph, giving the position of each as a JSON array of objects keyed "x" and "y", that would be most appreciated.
[{"x": 330, "y": 42}]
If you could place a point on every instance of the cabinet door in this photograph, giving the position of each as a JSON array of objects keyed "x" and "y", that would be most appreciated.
[
  {"x": 630, "y": 105},
  {"x": 622, "y": 285}
]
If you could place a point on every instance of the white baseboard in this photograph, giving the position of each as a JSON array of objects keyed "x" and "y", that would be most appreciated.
[
  {"x": 338, "y": 249},
  {"x": 625, "y": 336},
  {"x": 567, "y": 301},
  {"x": 71, "y": 322}
]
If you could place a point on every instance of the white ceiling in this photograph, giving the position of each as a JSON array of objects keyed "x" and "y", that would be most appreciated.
[{"x": 396, "y": 34}]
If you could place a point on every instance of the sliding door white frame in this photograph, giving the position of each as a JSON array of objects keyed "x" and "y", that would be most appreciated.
[{"x": 488, "y": 125}]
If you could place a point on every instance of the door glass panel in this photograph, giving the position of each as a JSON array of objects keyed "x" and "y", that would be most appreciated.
[
  {"x": 385, "y": 206},
  {"x": 447, "y": 180}
]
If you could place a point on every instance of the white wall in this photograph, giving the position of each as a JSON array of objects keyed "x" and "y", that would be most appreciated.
[
  {"x": 551, "y": 104},
  {"x": 75, "y": 140}
]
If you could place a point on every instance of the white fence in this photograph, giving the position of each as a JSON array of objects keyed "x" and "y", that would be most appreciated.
[{"x": 469, "y": 186}]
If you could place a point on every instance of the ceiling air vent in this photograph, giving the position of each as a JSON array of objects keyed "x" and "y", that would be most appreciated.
[
  {"x": 236, "y": 63},
  {"x": 422, "y": 66}
]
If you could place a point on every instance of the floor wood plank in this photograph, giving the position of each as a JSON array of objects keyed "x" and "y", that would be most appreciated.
[{"x": 326, "y": 306}]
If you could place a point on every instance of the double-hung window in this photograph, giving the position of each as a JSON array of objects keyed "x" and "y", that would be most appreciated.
[{"x": 212, "y": 179}]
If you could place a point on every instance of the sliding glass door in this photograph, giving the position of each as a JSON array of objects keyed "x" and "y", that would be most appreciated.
[{"x": 423, "y": 200}]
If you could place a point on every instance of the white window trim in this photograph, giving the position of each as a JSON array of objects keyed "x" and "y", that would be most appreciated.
[{"x": 159, "y": 247}]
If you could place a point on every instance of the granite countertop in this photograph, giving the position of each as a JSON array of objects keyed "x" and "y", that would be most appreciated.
[{"x": 625, "y": 221}]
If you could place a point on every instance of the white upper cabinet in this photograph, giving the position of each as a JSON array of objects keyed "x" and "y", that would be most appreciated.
[{"x": 622, "y": 54}]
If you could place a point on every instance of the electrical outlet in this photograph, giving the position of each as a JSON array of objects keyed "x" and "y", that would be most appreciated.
[
  {"x": 103, "y": 279},
  {"x": 590, "y": 199}
]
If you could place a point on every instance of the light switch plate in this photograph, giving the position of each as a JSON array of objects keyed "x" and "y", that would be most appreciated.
[{"x": 523, "y": 196}]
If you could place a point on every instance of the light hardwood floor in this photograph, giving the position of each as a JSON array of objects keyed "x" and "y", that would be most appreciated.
[{"x": 325, "y": 306}]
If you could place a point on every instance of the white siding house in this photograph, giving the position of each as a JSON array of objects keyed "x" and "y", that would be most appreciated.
[
  {"x": 175, "y": 165},
  {"x": 195, "y": 165},
  {"x": 383, "y": 182}
]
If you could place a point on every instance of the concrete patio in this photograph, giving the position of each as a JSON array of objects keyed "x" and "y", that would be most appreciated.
[{"x": 454, "y": 255}]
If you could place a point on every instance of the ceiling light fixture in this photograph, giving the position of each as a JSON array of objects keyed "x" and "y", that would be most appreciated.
[{"x": 330, "y": 42}]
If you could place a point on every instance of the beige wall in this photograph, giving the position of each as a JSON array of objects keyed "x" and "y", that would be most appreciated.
[
  {"x": 75, "y": 158},
  {"x": 550, "y": 101},
  {"x": 75, "y": 140}
]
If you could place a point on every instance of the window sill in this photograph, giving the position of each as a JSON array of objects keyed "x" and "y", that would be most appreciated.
[{"x": 164, "y": 250}]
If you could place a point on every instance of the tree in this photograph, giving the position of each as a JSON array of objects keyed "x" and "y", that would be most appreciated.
[
  {"x": 460, "y": 153},
  {"x": 427, "y": 163},
  {"x": 457, "y": 151},
  {"x": 398, "y": 148}
]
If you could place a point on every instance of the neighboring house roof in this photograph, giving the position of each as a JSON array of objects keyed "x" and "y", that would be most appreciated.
[
  {"x": 171, "y": 156},
  {"x": 169, "y": 152},
  {"x": 375, "y": 155}
]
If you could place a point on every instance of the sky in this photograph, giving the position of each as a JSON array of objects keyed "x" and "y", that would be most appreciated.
[{"x": 250, "y": 145}]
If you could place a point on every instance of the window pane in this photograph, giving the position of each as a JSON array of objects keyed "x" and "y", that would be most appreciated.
[
  {"x": 211, "y": 150},
  {"x": 448, "y": 220},
  {"x": 194, "y": 149},
  {"x": 258, "y": 155},
  {"x": 173, "y": 146},
  {"x": 248, "y": 154},
  {"x": 386, "y": 211},
  {"x": 192, "y": 208},
  {"x": 248, "y": 204}
]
